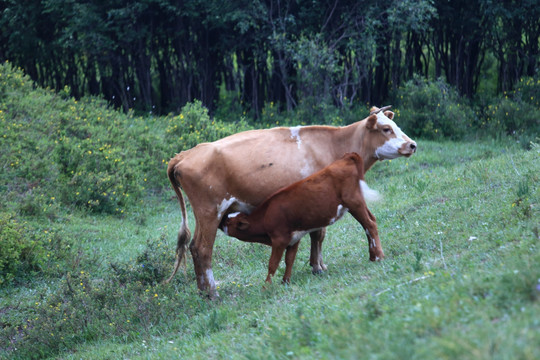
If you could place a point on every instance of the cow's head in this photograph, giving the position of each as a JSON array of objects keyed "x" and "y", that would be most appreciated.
[{"x": 385, "y": 137}]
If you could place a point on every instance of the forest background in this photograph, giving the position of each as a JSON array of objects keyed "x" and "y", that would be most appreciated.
[{"x": 241, "y": 57}]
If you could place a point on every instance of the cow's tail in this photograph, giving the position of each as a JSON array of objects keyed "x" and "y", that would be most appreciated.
[
  {"x": 369, "y": 194},
  {"x": 184, "y": 235}
]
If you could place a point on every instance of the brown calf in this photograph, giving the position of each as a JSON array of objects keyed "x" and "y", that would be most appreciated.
[{"x": 313, "y": 203}]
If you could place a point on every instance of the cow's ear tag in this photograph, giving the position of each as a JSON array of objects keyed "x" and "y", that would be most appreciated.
[{"x": 372, "y": 122}]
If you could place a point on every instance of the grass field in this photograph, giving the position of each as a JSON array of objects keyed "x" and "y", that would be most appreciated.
[{"x": 459, "y": 223}]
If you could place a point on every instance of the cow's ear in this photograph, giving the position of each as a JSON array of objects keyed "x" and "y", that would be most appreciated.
[
  {"x": 371, "y": 122},
  {"x": 243, "y": 224},
  {"x": 389, "y": 115}
]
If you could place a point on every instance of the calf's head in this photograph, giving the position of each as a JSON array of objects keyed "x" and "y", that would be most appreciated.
[
  {"x": 385, "y": 137},
  {"x": 236, "y": 225}
]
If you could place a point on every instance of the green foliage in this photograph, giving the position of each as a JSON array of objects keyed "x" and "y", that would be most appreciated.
[
  {"x": 19, "y": 251},
  {"x": 73, "y": 153},
  {"x": 149, "y": 268},
  {"x": 432, "y": 110},
  {"x": 516, "y": 114},
  {"x": 87, "y": 306},
  {"x": 193, "y": 126}
]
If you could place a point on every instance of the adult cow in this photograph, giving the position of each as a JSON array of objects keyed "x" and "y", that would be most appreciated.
[{"x": 240, "y": 171}]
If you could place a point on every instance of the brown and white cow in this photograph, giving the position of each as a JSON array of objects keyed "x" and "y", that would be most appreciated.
[
  {"x": 240, "y": 171},
  {"x": 307, "y": 205}
]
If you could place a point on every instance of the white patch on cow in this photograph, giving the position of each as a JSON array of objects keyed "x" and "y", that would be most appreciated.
[
  {"x": 341, "y": 210},
  {"x": 295, "y": 134},
  {"x": 296, "y": 236},
  {"x": 238, "y": 205},
  {"x": 385, "y": 120},
  {"x": 390, "y": 149},
  {"x": 210, "y": 278},
  {"x": 306, "y": 170},
  {"x": 225, "y": 204},
  {"x": 234, "y": 214},
  {"x": 368, "y": 193}
]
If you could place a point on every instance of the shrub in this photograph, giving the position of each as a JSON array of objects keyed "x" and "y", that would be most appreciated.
[
  {"x": 19, "y": 251},
  {"x": 432, "y": 110},
  {"x": 515, "y": 115},
  {"x": 194, "y": 126},
  {"x": 150, "y": 267}
]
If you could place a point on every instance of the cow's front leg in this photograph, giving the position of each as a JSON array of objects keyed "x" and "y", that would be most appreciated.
[
  {"x": 201, "y": 250},
  {"x": 315, "y": 259}
]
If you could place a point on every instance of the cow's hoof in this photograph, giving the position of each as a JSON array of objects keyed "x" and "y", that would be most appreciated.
[
  {"x": 209, "y": 294},
  {"x": 319, "y": 269}
]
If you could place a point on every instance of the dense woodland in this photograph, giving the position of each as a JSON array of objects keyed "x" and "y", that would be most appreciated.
[{"x": 156, "y": 55}]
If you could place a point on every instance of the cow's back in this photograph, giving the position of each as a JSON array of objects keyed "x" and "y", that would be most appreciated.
[{"x": 251, "y": 165}]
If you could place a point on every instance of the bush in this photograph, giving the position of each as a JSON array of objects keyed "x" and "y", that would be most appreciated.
[
  {"x": 432, "y": 110},
  {"x": 74, "y": 153},
  {"x": 194, "y": 126},
  {"x": 19, "y": 252},
  {"x": 515, "y": 115}
]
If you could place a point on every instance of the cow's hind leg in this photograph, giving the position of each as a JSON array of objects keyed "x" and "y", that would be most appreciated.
[
  {"x": 315, "y": 259},
  {"x": 201, "y": 248}
]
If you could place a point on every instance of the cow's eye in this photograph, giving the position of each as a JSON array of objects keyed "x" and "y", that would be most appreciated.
[{"x": 387, "y": 130}]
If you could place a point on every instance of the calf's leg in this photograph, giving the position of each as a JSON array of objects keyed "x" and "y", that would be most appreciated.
[
  {"x": 362, "y": 214},
  {"x": 275, "y": 258},
  {"x": 290, "y": 255}
]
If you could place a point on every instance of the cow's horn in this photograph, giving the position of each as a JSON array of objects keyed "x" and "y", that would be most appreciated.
[{"x": 384, "y": 108}]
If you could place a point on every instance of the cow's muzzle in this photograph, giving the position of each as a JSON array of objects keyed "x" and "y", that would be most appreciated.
[{"x": 408, "y": 148}]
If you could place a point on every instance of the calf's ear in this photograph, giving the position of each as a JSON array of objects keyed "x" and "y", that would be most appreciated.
[
  {"x": 371, "y": 122},
  {"x": 243, "y": 224}
]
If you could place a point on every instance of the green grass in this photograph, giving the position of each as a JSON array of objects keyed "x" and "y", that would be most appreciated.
[{"x": 459, "y": 226}]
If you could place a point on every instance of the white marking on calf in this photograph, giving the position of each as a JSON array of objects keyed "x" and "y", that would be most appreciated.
[
  {"x": 368, "y": 193},
  {"x": 372, "y": 243},
  {"x": 295, "y": 134},
  {"x": 297, "y": 235},
  {"x": 340, "y": 212},
  {"x": 234, "y": 214}
]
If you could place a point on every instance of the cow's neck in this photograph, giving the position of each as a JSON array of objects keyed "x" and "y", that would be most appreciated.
[{"x": 353, "y": 138}]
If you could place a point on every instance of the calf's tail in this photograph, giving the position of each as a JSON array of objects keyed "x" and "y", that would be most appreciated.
[{"x": 184, "y": 235}]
